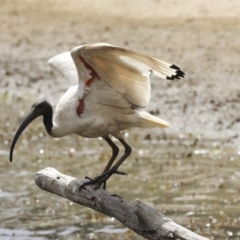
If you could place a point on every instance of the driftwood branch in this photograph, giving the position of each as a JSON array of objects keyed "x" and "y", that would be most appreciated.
[{"x": 139, "y": 217}]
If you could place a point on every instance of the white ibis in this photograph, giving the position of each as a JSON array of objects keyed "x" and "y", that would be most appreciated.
[{"x": 109, "y": 89}]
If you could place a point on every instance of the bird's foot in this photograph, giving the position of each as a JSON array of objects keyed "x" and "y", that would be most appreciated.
[
  {"x": 86, "y": 177},
  {"x": 102, "y": 179}
]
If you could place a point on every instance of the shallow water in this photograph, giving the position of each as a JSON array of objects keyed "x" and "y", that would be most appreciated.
[{"x": 193, "y": 181}]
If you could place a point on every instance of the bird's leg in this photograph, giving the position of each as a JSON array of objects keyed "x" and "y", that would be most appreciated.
[
  {"x": 115, "y": 151},
  {"x": 114, "y": 170}
]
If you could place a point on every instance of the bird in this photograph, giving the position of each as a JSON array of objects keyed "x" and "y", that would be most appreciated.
[{"x": 109, "y": 87}]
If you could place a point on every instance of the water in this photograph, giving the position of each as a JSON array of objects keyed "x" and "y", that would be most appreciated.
[{"x": 197, "y": 185}]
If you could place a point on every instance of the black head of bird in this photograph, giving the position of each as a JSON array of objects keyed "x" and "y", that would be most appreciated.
[{"x": 41, "y": 108}]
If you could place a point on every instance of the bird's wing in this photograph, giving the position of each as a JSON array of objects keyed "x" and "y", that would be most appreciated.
[
  {"x": 124, "y": 70},
  {"x": 64, "y": 64}
]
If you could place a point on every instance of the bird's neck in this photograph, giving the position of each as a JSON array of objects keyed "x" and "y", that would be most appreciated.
[{"x": 47, "y": 120}]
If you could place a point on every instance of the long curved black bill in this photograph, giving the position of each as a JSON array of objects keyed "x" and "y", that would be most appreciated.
[{"x": 30, "y": 117}]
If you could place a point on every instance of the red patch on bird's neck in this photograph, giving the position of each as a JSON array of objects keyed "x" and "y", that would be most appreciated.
[{"x": 80, "y": 107}]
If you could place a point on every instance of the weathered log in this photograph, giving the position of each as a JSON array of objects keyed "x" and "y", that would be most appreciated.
[{"x": 139, "y": 217}]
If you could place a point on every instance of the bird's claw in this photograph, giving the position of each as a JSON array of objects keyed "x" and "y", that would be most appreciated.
[
  {"x": 120, "y": 173},
  {"x": 86, "y": 177},
  {"x": 102, "y": 179}
]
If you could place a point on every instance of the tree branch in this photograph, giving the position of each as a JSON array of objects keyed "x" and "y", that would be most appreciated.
[{"x": 139, "y": 217}]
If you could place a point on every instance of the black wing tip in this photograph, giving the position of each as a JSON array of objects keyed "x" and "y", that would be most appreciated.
[
  {"x": 178, "y": 75},
  {"x": 174, "y": 67}
]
